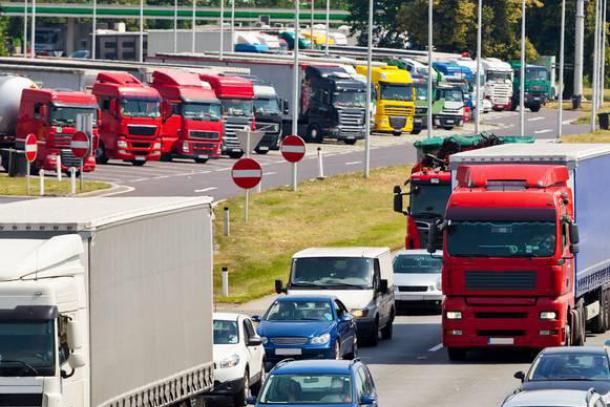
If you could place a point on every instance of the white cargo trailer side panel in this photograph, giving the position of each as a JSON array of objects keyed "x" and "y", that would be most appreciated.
[{"x": 150, "y": 297}]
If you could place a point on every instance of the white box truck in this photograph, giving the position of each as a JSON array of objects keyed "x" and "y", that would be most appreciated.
[{"x": 105, "y": 302}]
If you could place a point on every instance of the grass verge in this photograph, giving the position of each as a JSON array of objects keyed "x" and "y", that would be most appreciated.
[
  {"x": 585, "y": 107},
  {"x": 598, "y": 136},
  {"x": 344, "y": 210},
  {"x": 17, "y": 186}
]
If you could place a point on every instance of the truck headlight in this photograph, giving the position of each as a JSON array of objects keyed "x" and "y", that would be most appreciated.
[
  {"x": 550, "y": 315},
  {"x": 321, "y": 340},
  {"x": 453, "y": 314},
  {"x": 185, "y": 146},
  {"x": 157, "y": 146},
  {"x": 359, "y": 313},
  {"x": 231, "y": 361},
  {"x": 121, "y": 144},
  {"x": 439, "y": 284}
]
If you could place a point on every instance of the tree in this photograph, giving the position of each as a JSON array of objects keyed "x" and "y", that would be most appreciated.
[{"x": 386, "y": 31}]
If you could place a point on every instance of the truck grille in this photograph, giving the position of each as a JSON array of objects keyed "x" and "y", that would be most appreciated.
[
  {"x": 68, "y": 159},
  {"x": 351, "y": 119},
  {"x": 141, "y": 130},
  {"x": 501, "y": 315},
  {"x": 230, "y": 139},
  {"x": 501, "y": 333},
  {"x": 268, "y": 128},
  {"x": 209, "y": 135},
  {"x": 399, "y": 110},
  {"x": 62, "y": 140},
  {"x": 140, "y": 145},
  {"x": 421, "y": 110},
  {"x": 288, "y": 340},
  {"x": 412, "y": 288},
  {"x": 500, "y": 280}
]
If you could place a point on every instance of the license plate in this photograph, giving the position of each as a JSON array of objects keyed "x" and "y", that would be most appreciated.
[
  {"x": 288, "y": 351},
  {"x": 236, "y": 150},
  {"x": 417, "y": 121},
  {"x": 202, "y": 156},
  {"x": 501, "y": 341},
  {"x": 263, "y": 148},
  {"x": 140, "y": 158},
  {"x": 449, "y": 121},
  {"x": 536, "y": 98}
]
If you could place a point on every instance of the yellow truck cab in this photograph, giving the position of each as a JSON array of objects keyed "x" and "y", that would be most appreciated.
[{"x": 395, "y": 98}]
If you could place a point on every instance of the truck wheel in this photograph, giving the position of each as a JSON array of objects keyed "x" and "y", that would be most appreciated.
[
  {"x": 415, "y": 132},
  {"x": 598, "y": 325},
  {"x": 137, "y": 163},
  {"x": 261, "y": 152},
  {"x": 167, "y": 157},
  {"x": 456, "y": 354},
  {"x": 240, "y": 398},
  {"x": 236, "y": 155},
  {"x": 535, "y": 108},
  {"x": 100, "y": 154},
  {"x": 201, "y": 160},
  {"x": 448, "y": 127},
  {"x": 350, "y": 141},
  {"x": 314, "y": 134},
  {"x": 578, "y": 334},
  {"x": 513, "y": 105}
]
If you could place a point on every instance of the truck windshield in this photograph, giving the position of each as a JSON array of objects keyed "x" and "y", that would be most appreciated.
[
  {"x": 498, "y": 76},
  {"x": 332, "y": 272},
  {"x": 267, "y": 106},
  {"x": 536, "y": 74},
  {"x": 430, "y": 199},
  {"x": 501, "y": 239},
  {"x": 395, "y": 91},
  {"x": 237, "y": 107},
  {"x": 27, "y": 348},
  {"x": 452, "y": 95},
  {"x": 225, "y": 332},
  {"x": 65, "y": 116},
  {"x": 422, "y": 92},
  {"x": 350, "y": 98},
  {"x": 201, "y": 111},
  {"x": 140, "y": 107}
]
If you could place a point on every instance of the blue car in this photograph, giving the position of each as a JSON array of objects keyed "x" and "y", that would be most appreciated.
[
  {"x": 312, "y": 327},
  {"x": 318, "y": 383}
]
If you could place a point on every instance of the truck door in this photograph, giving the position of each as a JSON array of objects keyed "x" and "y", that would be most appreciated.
[{"x": 320, "y": 111}]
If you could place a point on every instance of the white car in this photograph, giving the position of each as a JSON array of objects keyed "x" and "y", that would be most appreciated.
[
  {"x": 555, "y": 398},
  {"x": 238, "y": 358},
  {"x": 417, "y": 277}
]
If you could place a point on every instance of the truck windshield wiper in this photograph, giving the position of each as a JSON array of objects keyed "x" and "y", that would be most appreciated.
[
  {"x": 22, "y": 363},
  {"x": 312, "y": 284},
  {"x": 359, "y": 286}
]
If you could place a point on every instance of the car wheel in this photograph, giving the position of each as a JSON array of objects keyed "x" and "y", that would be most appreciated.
[
  {"x": 240, "y": 398},
  {"x": 235, "y": 154},
  {"x": 448, "y": 127},
  {"x": 256, "y": 388},
  {"x": 456, "y": 354},
  {"x": 374, "y": 338},
  {"x": 535, "y": 108},
  {"x": 388, "y": 330},
  {"x": 350, "y": 141},
  {"x": 260, "y": 151},
  {"x": 354, "y": 353}
]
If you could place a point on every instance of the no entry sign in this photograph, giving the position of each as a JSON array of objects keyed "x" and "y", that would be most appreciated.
[
  {"x": 31, "y": 147},
  {"x": 293, "y": 148},
  {"x": 246, "y": 173},
  {"x": 80, "y": 144}
]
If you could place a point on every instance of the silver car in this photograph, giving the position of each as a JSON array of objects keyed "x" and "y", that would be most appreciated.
[
  {"x": 554, "y": 398},
  {"x": 417, "y": 277}
]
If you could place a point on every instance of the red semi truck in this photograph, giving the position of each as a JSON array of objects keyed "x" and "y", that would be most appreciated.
[
  {"x": 130, "y": 119},
  {"x": 191, "y": 114},
  {"x": 526, "y": 253}
]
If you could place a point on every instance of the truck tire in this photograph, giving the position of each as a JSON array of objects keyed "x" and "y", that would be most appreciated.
[
  {"x": 236, "y": 155},
  {"x": 314, "y": 134},
  {"x": 578, "y": 332},
  {"x": 137, "y": 163},
  {"x": 166, "y": 157},
  {"x": 415, "y": 132},
  {"x": 599, "y": 323},
  {"x": 513, "y": 105},
  {"x": 457, "y": 354},
  {"x": 535, "y": 108},
  {"x": 100, "y": 154},
  {"x": 350, "y": 142},
  {"x": 239, "y": 399},
  {"x": 201, "y": 160},
  {"x": 448, "y": 127}
]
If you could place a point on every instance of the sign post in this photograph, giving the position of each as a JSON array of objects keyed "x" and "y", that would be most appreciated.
[
  {"x": 246, "y": 174},
  {"x": 80, "y": 147},
  {"x": 31, "y": 151},
  {"x": 293, "y": 151}
]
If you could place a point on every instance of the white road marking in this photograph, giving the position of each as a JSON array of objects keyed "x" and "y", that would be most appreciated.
[
  {"x": 353, "y": 163},
  {"x": 436, "y": 348},
  {"x": 543, "y": 131},
  {"x": 127, "y": 189},
  {"x": 269, "y": 173},
  {"x": 205, "y": 189},
  {"x": 223, "y": 169},
  {"x": 535, "y": 119}
]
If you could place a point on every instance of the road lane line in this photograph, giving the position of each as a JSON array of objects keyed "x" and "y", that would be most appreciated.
[
  {"x": 535, "y": 119},
  {"x": 205, "y": 189},
  {"x": 223, "y": 169},
  {"x": 436, "y": 348},
  {"x": 543, "y": 131},
  {"x": 269, "y": 173},
  {"x": 353, "y": 163}
]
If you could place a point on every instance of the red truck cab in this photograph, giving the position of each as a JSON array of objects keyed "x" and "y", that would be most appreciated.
[
  {"x": 52, "y": 116},
  {"x": 192, "y": 116},
  {"x": 236, "y": 95},
  {"x": 130, "y": 119}
]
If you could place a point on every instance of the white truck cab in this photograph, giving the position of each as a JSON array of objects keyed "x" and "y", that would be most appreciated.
[{"x": 361, "y": 277}]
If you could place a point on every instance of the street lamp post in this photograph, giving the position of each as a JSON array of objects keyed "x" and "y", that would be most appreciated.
[
  {"x": 429, "y": 124},
  {"x": 369, "y": 79},
  {"x": 522, "y": 72},
  {"x": 175, "y": 25},
  {"x": 479, "y": 107},
  {"x": 232, "y": 25},
  {"x": 561, "y": 66},
  {"x": 295, "y": 86},
  {"x": 327, "y": 26},
  {"x": 222, "y": 28},
  {"x": 141, "y": 30},
  {"x": 25, "y": 28},
  {"x": 33, "y": 41},
  {"x": 594, "y": 95},
  {"x": 94, "y": 31},
  {"x": 193, "y": 26},
  {"x": 311, "y": 22}
]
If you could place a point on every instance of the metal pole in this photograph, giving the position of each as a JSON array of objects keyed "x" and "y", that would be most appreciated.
[
  {"x": 141, "y": 30},
  {"x": 327, "y": 26},
  {"x": 369, "y": 82},
  {"x": 33, "y": 40},
  {"x": 94, "y": 31},
  {"x": 27, "y": 177},
  {"x": 578, "y": 50},
  {"x": 522, "y": 75},
  {"x": 295, "y": 184},
  {"x": 227, "y": 221},
  {"x": 41, "y": 179},
  {"x": 595, "y": 70},
  {"x": 222, "y": 28},
  {"x": 193, "y": 24},
  {"x": 82, "y": 174},
  {"x": 561, "y": 66},
  {"x": 295, "y": 79},
  {"x": 175, "y": 25},
  {"x": 246, "y": 205},
  {"x": 225, "y": 281},
  {"x": 479, "y": 108},
  {"x": 58, "y": 168},
  {"x": 311, "y": 28},
  {"x": 430, "y": 9},
  {"x": 25, "y": 28},
  {"x": 73, "y": 179},
  {"x": 232, "y": 25},
  {"x": 603, "y": 55}
]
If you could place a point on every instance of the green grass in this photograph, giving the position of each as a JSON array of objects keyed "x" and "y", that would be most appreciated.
[
  {"x": 17, "y": 186},
  {"x": 598, "y": 136},
  {"x": 585, "y": 107},
  {"x": 344, "y": 210}
]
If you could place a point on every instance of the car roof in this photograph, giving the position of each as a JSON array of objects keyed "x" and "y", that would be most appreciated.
[
  {"x": 555, "y": 397},
  {"x": 306, "y": 298},
  {"x": 314, "y": 367},
  {"x": 342, "y": 252},
  {"x": 576, "y": 350},
  {"x": 227, "y": 316},
  {"x": 417, "y": 252}
]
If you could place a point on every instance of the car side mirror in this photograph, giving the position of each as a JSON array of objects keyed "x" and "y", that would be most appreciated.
[
  {"x": 76, "y": 360},
  {"x": 256, "y": 318},
  {"x": 255, "y": 341},
  {"x": 251, "y": 400},
  {"x": 519, "y": 375},
  {"x": 383, "y": 286},
  {"x": 279, "y": 287},
  {"x": 368, "y": 399},
  {"x": 574, "y": 235}
]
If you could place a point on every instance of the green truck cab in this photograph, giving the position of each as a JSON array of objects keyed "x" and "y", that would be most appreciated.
[{"x": 538, "y": 89}]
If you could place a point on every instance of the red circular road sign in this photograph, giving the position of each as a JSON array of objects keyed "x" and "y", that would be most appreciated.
[
  {"x": 293, "y": 149},
  {"x": 80, "y": 144},
  {"x": 31, "y": 147},
  {"x": 246, "y": 173}
]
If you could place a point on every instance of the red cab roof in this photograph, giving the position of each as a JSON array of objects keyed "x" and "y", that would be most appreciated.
[
  {"x": 122, "y": 84},
  {"x": 510, "y": 175},
  {"x": 229, "y": 86},
  {"x": 174, "y": 77},
  {"x": 181, "y": 85},
  {"x": 60, "y": 97}
]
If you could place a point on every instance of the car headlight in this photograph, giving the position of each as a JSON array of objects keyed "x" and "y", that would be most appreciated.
[
  {"x": 359, "y": 313},
  {"x": 231, "y": 361},
  {"x": 321, "y": 340},
  {"x": 453, "y": 314},
  {"x": 264, "y": 340},
  {"x": 548, "y": 315}
]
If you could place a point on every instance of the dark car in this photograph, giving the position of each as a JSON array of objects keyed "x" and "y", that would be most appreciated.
[
  {"x": 307, "y": 327},
  {"x": 578, "y": 368},
  {"x": 318, "y": 383}
]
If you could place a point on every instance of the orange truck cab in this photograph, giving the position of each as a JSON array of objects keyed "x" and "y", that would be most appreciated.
[
  {"x": 191, "y": 114},
  {"x": 130, "y": 119},
  {"x": 52, "y": 116}
]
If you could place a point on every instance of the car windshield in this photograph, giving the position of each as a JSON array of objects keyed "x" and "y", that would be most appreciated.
[
  {"x": 332, "y": 272},
  {"x": 536, "y": 74},
  {"x": 395, "y": 91},
  {"x": 267, "y": 106},
  {"x": 429, "y": 199},
  {"x": 422, "y": 92},
  {"x": 417, "y": 264},
  {"x": 66, "y": 116},
  {"x": 498, "y": 76},
  {"x": 140, "y": 107},
  {"x": 299, "y": 311},
  {"x": 27, "y": 348},
  {"x": 452, "y": 95},
  {"x": 350, "y": 98},
  {"x": 570, "y": 366},
  {"x": 307, "y": 389},
  {"x": 201, "y": 111},
  {"x": 225, "y": 332},
  {"x": 237, "y": 107},
  {"x": 501, "y": 239}
]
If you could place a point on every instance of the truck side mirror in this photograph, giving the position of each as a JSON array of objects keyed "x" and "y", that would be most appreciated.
[
  {"x": 574, "y": 248},
  {"x": 73, "y": 334},
  {"x": 279, "y": 287},
  {"x": 76, "y": 360},
  {"x": 285, "y": 106},
  {"x": 398, "y": 204},
  {"x": 574, "y": 235},
  {"x": 383, "y": 286},
  {"x": 433, "y": 232}
]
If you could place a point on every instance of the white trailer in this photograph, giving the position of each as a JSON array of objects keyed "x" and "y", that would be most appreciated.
[
  {"x": 105, "y": 301},
  {"x": 498, "y": 83}
]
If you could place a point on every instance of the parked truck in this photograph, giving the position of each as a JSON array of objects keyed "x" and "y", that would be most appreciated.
[
  {"x": 395, "y": 105},
  {"x": 93, "y": 311},
  {"x": 448, "y": 107},
  {"x": 526, "y": 252},
  {"x": 191, "y": 114},
  {"x": 130, "y": 119},
  {"x": 268, "y": 110},
  {"x": 498, "y": 83},
  {"x": 538, "y": 87}
]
